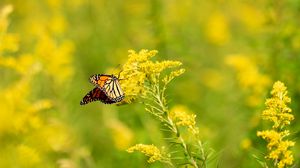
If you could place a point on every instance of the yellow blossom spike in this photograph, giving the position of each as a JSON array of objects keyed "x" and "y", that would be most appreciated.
[
  {"x": 277, "y": 110},
  {"x": 183, "y": 117},
  {"x": 151, "y": 151},
  {"x": 172, "y": 75},
  {"x": 280, "y": 115}
]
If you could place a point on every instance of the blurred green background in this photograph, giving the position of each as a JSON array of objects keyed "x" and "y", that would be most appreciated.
[{"x": 232, "y": 52}]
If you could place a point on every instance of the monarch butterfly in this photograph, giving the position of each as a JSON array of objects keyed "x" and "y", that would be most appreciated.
[{"x": 108, "y": 92}]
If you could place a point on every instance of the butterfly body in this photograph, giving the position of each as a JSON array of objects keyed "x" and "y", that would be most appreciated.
[{"x": 107, "y": 90}]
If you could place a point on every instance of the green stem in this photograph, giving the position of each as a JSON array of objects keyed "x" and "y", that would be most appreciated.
[
  {"x": 182, "y": 142},
  {"x": 202, "y": 152},
  {"x": 168, "y": 162},
  {"x": 159, "y": 98}
]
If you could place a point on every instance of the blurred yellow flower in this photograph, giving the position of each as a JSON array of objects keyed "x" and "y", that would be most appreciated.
[
  {"x": 178, "y": 12},
  {"x": 58, "y": 24},
  {"x": 56, "y": 59},
  {"x": 212, "y": 78},
  {"x": 58, "y": 137},
  {"x": 4, "y": 12},
  {"x": 27, "y": 156},
  {"x": 31, "y": 135},
  {"x": 41, "y": 105},
  {"x": 54, "y": 3},
  {"x": 280, "y": 115},
  {"x": 9, "y": 42},
  {"x": 217, "y": 29},
  {"x": 246, "y": 144},
  {"x": 7, "y": 116},
  {"x": 24, "y": 64},
  {"x": 122, "y": 135},
  {"x": 151, "y": 151},
  {"x": 249, "y": 77},
  {"x": 251, "y": 16},
  {"x": 66, "y": 163}
]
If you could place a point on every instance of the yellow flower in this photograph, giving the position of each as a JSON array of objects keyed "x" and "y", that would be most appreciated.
[
  {"x": 41, "y": 105},
  {"x": 246, "y": 144},
  {"x": 148, "y": 77},
  {"x": 139, "y": 70},
  {"x": 58, "y": 137},
  {"x": 280, "y": 115},
  {"x": 213, "y": 79},
  {"x": 4, "y": 12},
  {"x": 121, "y": 134},
  {"x": 273, "y": 137},
  {"x": 167, "y": 79},
  {"x": 277, "y": 110},
  {"x": 249, "y": 77},
  {"x": 151, "y": 151},
  {"x": 58, "y": 24},
  {"x": 21, "y": 106},
  {"x": 180, "y": 115},
  {"x": 27, "y": 156},
  {"x": 24, "y": 64},
  {"x": 8, "y": 41},
  {"x": 217, "y": 29},
  {"x": 66, "y": 163},
  {"x": 183, "y": 117},
  {"x": 56, "y": 59},
  {"x": 251, "y": 17}
]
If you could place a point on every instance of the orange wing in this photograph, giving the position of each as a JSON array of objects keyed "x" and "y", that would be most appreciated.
[{"x": 99, "y": 79}]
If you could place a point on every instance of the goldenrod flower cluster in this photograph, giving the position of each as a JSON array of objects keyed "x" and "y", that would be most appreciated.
[
  {"x": 151, "y": 151},
  {"x": 277, "y": 110},
  {"x": 167, "y": 79},
  {"x": 280, "y": 115},
  {"x": 145, "y": 78},
  {"x": 182, "y": 117},
  {"x": 140, "y": 70}
]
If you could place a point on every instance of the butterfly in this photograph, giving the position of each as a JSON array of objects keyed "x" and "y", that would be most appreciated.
[{"x": 107, "y": 90}]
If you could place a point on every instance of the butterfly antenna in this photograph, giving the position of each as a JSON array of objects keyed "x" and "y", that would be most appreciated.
[
  {"x": 120, "y": 73},
  {"x": 121, "y": 70},
  {"x": 118, "y": 76}
]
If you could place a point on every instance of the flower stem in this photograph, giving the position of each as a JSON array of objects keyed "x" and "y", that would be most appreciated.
[{"x": 159, "y": 96}]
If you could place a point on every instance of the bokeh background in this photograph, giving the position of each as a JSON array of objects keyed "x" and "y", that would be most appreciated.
[{"x": 232, "y": 52}]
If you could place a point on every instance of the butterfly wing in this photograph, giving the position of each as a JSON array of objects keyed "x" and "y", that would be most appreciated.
[
  {"x": 109, "y": 89},
  {"x": 113, "y": 90},
  {"x": 95, "y": 95},
  {"x": 99, "y": 79}
]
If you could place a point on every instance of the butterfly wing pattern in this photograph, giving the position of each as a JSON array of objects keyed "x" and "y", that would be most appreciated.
[
  {"x": 99, "y": 80},
  {"x": 107, "y": 90},
  {"x": 113, "y": 89},
  {"x": 95, "y": 95}
]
